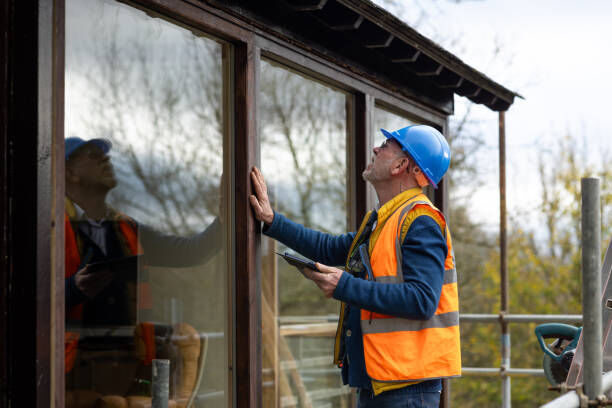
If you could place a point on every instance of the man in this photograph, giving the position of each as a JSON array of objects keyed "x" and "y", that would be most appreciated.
[
  {"x": 106, "y": 297},
  {"x": 95, "y": 232},
  {"x": 398, "y": 333}
]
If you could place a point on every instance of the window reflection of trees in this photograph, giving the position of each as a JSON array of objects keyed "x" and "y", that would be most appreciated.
[
  {"x": 159, "y": 102},
  {"x": 303, "y": 130},
  {"x": 303, "y": 149},
  {"x": 155, "y": 90}
]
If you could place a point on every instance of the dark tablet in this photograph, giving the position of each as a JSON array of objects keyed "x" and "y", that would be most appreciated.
[
  {"x": 122, "y": 265},
  {"x": 117, "y": 303},
  {"x": 299, "y": 263}
]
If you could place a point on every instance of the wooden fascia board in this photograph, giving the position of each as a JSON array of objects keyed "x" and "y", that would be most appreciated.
[
  {"x": 402, "y": 31},
  {"x": 251, "y": 21}
]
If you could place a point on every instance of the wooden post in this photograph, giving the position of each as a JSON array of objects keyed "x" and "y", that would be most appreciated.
[
  {"x": 31, "y": 200},
  {"x": 441, "y": 201},
  {"x": 247, "y": 362},
  {"x": 359, "y": 120}
]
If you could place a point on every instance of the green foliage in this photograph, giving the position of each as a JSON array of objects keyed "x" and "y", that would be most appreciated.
[
  {"x": 299, "y": 296},
  {"x": 544, "y": 274},
  {"x": 543, "y": 241}
]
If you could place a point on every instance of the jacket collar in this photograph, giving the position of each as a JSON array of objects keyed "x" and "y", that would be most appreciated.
[
  {"x": 76, "y": 213},
  {"x": 390, "y": 206}
]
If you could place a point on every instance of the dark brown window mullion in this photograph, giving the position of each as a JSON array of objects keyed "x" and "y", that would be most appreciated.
[
  {"x": 359, "y": 111},
  {"x": 228, "y": 210},
  {"x": 441, "y": 193},
  {"x": 247, "y": 355},
  {"x": 32, "y": 196},
  {"x": 441, "y": 201},
  {"x": 58, "y": 373},
  {"x": 4, "y": 197},
  {"x": 359, "y": 150}
]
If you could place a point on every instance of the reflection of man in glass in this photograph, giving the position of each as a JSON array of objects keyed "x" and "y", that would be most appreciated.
[{"x": 112, "y": 294}]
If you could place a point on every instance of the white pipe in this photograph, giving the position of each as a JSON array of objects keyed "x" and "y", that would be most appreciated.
[{"x": 570, "y": 399}]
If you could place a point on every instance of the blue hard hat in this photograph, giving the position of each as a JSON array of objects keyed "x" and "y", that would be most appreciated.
[
  {"x": 427, "y": 147},
  {"x": 73, "y": 143}
]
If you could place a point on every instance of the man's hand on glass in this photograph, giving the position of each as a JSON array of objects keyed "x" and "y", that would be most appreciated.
[
  {"x": 326, "y": 278},
  {"x": 259, "y": 200},
  {"x": 92, "y": 283}
]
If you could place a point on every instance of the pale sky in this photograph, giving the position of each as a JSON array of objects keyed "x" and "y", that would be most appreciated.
[{"x": 554, "y": 53}]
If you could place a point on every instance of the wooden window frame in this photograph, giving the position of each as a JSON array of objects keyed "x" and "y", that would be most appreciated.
[
  {"x": 31, "y": 220},
  {"x": 32, "y": 353}
]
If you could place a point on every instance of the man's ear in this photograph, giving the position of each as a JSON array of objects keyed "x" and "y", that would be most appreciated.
[
  {"x": 400, "y": 166},
  {"x": 71, "y": 176}
]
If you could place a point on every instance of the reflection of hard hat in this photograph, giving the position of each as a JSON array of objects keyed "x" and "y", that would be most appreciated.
[
  {"x": 73, "y": 143},
  {"x": 427, "y": 147}
]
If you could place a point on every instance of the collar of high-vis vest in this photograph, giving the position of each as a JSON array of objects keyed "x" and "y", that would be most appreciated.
[{"x": 390, "y": 206}]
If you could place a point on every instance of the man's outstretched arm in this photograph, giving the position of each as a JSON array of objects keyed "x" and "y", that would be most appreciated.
[
  {"x": 176, "y": 251},
  {"x": 319, "y": 246}
]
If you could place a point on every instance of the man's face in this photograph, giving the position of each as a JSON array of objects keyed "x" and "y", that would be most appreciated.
[
  {"x": 382, "y": 161},
  {"x": 90, "y": 167}
]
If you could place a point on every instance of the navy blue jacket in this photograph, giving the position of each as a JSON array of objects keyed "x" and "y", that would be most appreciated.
[{"x": 424, "y": 252}]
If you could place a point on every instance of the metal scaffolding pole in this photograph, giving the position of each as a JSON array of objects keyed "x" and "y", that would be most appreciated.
[
  {"x": 520, "y": 318},
  {"x": 591, "y": 284},
  {"x": 503, "y": 263},
  {"x": 161, "y": 383}
]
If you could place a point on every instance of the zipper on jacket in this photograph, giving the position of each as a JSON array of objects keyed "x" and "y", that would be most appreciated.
[{"x": 365, "y": 259}]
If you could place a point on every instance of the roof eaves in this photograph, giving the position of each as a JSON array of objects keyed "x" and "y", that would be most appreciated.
[{"x": 497, "y": 96}]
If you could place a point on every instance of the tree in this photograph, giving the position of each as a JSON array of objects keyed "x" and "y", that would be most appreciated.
[
  {"x": 544, "y": 270},
  {"x": 303, "y": 132},
  {"x": 161, "y": 106}
]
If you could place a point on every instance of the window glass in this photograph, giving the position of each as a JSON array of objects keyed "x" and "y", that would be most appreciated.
[
  {"x": 303, "y": 157},
  {"x": 383, "y": 119},
  {"x": 146, "y": 256}
]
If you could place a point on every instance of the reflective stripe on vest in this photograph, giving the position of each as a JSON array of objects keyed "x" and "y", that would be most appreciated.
[
  {"x": 398, "y": 349},
  {"x": 450, "y": 276},
  {"x": 392, "y": 324}
]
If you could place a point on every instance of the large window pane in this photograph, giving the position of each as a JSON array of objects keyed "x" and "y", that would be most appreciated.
[
  {"x": 146, "y": 256},
  {"x": 303, "y": 156}
]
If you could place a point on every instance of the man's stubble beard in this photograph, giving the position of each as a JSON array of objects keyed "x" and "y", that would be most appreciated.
[{"x": 378, "y": 171}]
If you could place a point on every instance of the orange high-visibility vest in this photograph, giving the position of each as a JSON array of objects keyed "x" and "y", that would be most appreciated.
[
  {"x": 128, "y": 237},
  {"x": 405, "y": 350}
]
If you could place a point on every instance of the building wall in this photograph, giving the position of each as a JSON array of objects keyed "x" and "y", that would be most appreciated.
[{"x": 191, "y": 98}]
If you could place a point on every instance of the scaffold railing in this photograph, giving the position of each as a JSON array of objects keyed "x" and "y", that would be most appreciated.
[{"x": 326, "y": 326}]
